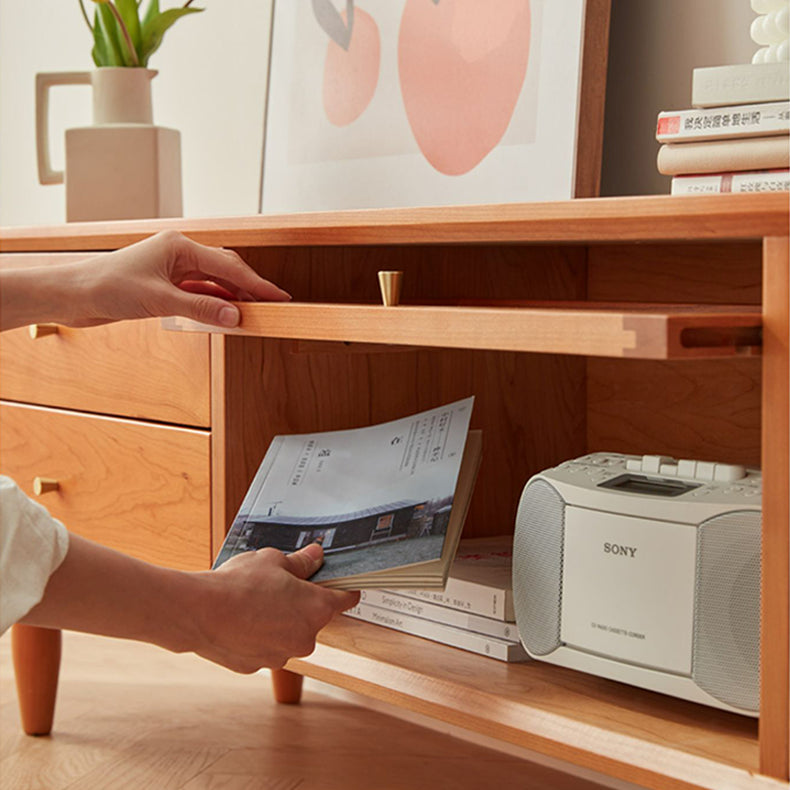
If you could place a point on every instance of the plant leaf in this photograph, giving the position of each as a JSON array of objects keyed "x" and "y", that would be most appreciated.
[
  {"x": 150, "y": 12},
  {"x": 128, "y": 11},
  {"x": 105, "y": 39},
  {"x": 155, "y": 25},
  {"x": 97, "y": 55},
  {"x": 99, "y": 51}
]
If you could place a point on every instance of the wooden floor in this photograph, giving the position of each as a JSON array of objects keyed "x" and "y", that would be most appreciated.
[{"x": 133, "y": 717}]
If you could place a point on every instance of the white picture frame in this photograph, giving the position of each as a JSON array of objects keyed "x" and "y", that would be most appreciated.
[{"x": 354, "y": 122}]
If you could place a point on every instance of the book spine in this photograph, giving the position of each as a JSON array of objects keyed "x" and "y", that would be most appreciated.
[
  {"x": 721, "y": 156},
  {"x": 756, "y": 120},
  {"x": 747, "y": 83},
  {"x": 385, "y": 599},
  {"x": 437, "y": 632},
  {"x": 761, "y": 181},
  {"x": 470, "y": 597}
]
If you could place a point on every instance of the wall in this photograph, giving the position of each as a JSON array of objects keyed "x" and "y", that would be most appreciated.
[
  {"x": 212, "y": 81},
  {"x": 654, "y": 45}
]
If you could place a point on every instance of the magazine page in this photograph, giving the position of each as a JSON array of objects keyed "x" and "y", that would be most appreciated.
[{"x": 375, "y": 497}]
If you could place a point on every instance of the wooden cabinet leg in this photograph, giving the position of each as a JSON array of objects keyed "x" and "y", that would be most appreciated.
[
  {"x": 287, "y": 686},
  {"x": 36, "y": 656}
]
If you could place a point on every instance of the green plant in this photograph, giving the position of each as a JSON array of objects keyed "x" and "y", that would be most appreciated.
[{"x": 122, "y": 38}]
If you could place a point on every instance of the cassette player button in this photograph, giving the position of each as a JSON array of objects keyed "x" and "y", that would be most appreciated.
[
  {"x": 687, "y": 468},
  {"x": 633, "y": 465},
  {"x": 652, "y": 463},
  {"x": 668, "y": 470},
  {"x": 727, "y": 473},
  {"x": 705, "y": 470}
]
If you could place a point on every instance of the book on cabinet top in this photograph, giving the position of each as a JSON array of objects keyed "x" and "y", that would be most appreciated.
[
  {"x": 387, "y": 501},
  {"x": 720, "y": 156},
  {"x": 744, "y": 83},
  {"x": 720, "y": 123},
  {"x": 738, "y": 182}
]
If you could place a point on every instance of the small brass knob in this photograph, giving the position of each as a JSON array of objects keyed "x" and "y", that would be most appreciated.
[
  {"x": 42, "y": 330},
  {"x": 390, "y": 284},
  {"x": 41, "y": 485}
]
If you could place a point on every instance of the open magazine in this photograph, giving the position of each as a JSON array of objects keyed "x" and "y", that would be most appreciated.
[{"x": 387, "y": 502}]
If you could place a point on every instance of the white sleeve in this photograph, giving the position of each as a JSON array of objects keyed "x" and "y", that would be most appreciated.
[{"x": 32, "y": 546}]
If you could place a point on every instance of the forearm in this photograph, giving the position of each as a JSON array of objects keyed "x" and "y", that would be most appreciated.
[
  {"x": 256, "y": 611},
  {"x": 100, "y": 591},
  {"x": 41, "y": 294}
]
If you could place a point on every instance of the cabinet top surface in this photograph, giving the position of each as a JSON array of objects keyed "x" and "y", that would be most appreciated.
[{"x": 643, "y": 218}]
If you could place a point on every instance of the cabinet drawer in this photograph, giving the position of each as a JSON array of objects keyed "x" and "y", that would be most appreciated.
[
  {"x": 131, "y": 369},
  {"x": 142, "y": 489}
]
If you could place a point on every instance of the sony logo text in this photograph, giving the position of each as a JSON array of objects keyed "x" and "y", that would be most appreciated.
[{"x": 616, "y": 548}]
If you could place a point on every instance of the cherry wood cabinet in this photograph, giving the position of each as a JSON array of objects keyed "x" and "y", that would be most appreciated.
[{"x": 643, "y": 325}]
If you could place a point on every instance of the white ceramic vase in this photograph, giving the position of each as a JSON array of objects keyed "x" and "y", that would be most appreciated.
[{"x": 122, "y": 166}]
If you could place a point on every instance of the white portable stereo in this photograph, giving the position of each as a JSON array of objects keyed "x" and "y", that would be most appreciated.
[{"x": 646, "y": 570}]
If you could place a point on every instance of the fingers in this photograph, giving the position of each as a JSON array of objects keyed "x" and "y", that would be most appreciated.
[
  {"x": 345, "y": 599},
  {"x": 263, "y": 611},
  {"x": 305, "y": 562},
  {"x": 206, "y": 287},
  {"x": 193, "y": 261},
  {"x": 154, "y": 277},
  {"x": 202, "y": 307}
]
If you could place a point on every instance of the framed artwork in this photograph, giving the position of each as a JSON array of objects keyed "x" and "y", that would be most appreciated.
[{"x": 402, "y": 103}]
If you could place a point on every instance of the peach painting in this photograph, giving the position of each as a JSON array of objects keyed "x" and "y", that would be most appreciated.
[
  {"x": 461, "y": 73},
  {"x": 376, "y": 103}
]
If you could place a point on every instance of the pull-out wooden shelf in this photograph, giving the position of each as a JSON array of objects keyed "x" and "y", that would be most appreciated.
[
  {"x": 637, "y": 331},
  {"x": 622, "y": 731}
]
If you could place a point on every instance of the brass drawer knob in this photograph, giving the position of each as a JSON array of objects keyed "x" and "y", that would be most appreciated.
[
  {"x": 41, "y": 485},
  {"x": 390, "y": 284},
  {"x": 42, "y": 330}
]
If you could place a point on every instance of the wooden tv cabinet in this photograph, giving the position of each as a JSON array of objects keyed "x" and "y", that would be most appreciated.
[{"x": 642, "y": 325}]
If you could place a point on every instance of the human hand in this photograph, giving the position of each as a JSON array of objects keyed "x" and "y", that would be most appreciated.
[
  {"x": 167, "y": 274},
  {"x": 258, "y": 610}
]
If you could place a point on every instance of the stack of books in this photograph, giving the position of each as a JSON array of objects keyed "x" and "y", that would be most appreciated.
[
  {"x": 736, "y": 135},
  {"x": 388, "y": 502},
  {"x": 474, "y": 612}
]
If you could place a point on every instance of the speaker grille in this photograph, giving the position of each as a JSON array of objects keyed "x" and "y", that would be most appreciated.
[
  {"x": 537, "y": 567},
  {"x": 726, "y": 660}
]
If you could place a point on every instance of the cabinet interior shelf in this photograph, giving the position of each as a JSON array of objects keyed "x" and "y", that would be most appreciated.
[
  {"x": 603, "y": 725},
  {"x": 639, "y": 331}
]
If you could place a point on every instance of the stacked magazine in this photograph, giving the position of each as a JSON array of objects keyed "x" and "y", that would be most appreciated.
[
  {"x": 387, "y": 502},
  {"x": 474, "y": 611}
]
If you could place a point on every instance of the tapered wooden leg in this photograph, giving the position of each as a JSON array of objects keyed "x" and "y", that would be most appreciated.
[
  {"x": 287, "y": 686},
  {"x": 36, "y": 656}
]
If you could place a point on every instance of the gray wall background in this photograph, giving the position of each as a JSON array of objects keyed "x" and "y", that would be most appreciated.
[{"x": 653, "y": 47}]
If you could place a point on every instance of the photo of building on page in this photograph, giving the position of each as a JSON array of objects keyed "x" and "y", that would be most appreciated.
[{"x": 375, "y": 497}]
